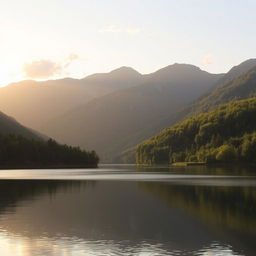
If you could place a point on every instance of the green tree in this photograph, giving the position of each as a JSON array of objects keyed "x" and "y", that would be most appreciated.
[{"x": 225, "y": 153}]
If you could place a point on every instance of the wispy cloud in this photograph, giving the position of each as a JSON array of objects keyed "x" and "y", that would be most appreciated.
[
  {"x": 208, "y": 59},
  {"x": 42, "y": 69},
  {"x": 116, "y": 29},
  {"x": 71, "y": 58}
]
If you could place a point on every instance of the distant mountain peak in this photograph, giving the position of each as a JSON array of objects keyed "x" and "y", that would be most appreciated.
[
  {"x": 249, "y": 61},
  {"x": 176, "y": 64},
  {"x": 246, "y": 64},
  {"x": 238, "y": 70},
  {"x": 179, "y": 67},
  {"x": 178, "y": 70},
  {"x": 124, "y": 70}
]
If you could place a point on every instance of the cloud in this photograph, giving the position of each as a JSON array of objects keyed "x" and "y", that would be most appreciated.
[
  {"x": 42, "y": 69},
  {"x": 116, "y": 29},
  {"x": 208, "y": 59},
  {"x": 71, "y": 58}
]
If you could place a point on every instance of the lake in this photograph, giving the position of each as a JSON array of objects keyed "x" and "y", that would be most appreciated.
[{"x": 125, "y": 210}]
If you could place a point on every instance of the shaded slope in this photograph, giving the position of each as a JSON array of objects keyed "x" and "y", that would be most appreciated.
[
  {"x": 242, "y": 87},
  {"x": 238, "y": 83},
  {"x": 33, "y": 103},
  {"x": 235, "y": 84},
  {"x": 236, "y": 71},
  {"x": 115, "y": 122},
  {"x": 8, "y": 125}
]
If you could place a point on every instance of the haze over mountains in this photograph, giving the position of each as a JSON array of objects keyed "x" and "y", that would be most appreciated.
[
  {"x": 120, "y": 120},
  {"x": 9, "y": 125},
  {"x": 226, "y": 133},
  {"x": 238, "y": 83},
  {"x": 112, "y": 112},
  {"x": 235, "y": 84},
  {"x": 33, "y": 103}
]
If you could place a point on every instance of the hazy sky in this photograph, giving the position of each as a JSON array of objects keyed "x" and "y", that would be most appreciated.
[{"x": 44, "y": 39}]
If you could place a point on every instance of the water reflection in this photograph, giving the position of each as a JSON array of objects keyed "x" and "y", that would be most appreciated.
[
  {"x": 47, "y": 247},
  {"x": 104, "y": 217},
  {"x": 234, "y": 207}
]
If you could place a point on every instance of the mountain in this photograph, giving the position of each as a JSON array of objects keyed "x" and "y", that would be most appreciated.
[
  {"x": 9, "y": 125},
  {"x": 238, "y": 83},
  {"x": 117, "y": 121},
  {"x": 21, "y": 147},
  {"x": 118, "y": 79},
  {"x": 34, "y": 103},
  {"x": 227, "y": 133},
  {"x": 236, "y": 71}
]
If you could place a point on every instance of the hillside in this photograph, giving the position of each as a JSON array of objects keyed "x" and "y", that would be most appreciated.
[
  {"x": 21, "y": 147},
  {"x": 238, "y": 83},
  {"x": 117, "y": 121},
  {"x": 20, "y": 152},
  {"x": 34, "y": 103},
  {"x": 235, "y": 84},
  {"x": 9, "y": 125},
  {"x": 236, "y": 71},
  {"x": 227, "y": 133}
]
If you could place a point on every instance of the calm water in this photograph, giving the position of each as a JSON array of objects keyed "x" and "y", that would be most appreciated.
[{"x": 121, "y": 210}]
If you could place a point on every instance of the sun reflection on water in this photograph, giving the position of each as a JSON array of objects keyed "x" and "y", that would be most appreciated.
[{"x": 11, "y": 245}]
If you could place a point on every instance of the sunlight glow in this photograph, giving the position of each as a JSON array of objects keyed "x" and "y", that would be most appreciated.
[
  {"x": 108, "y": 38},
  {"x": 18, "y": 246}
]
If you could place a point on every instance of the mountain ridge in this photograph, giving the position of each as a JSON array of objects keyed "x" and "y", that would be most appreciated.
[
  {"x": 109, "y": 121},
  {"x": 46, "y": 99}
]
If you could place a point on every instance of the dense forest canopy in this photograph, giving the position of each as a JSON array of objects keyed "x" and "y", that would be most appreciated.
[
  {"x": 18, "y": 151},
  {"x": 225, "y": 134}
]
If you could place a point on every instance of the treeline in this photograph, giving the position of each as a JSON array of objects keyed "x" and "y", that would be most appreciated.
[
  {"x": 227, "y": 134},
  {"x": 18, "y": 151}
]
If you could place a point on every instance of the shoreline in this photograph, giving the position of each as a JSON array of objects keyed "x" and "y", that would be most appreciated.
[{"x": 16, "y": 167}]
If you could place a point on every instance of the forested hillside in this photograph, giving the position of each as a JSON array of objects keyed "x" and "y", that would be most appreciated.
[
  {"x": 238, "y": 83},
  {"x": 226, "y": 134},
  {"x": 19, "y": 152},
  {"x": 21, "y": 147},
  {"x": 127, "y": 107}
]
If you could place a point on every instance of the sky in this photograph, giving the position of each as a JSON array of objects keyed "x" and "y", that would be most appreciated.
[{"x": 49, "y": 39}]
